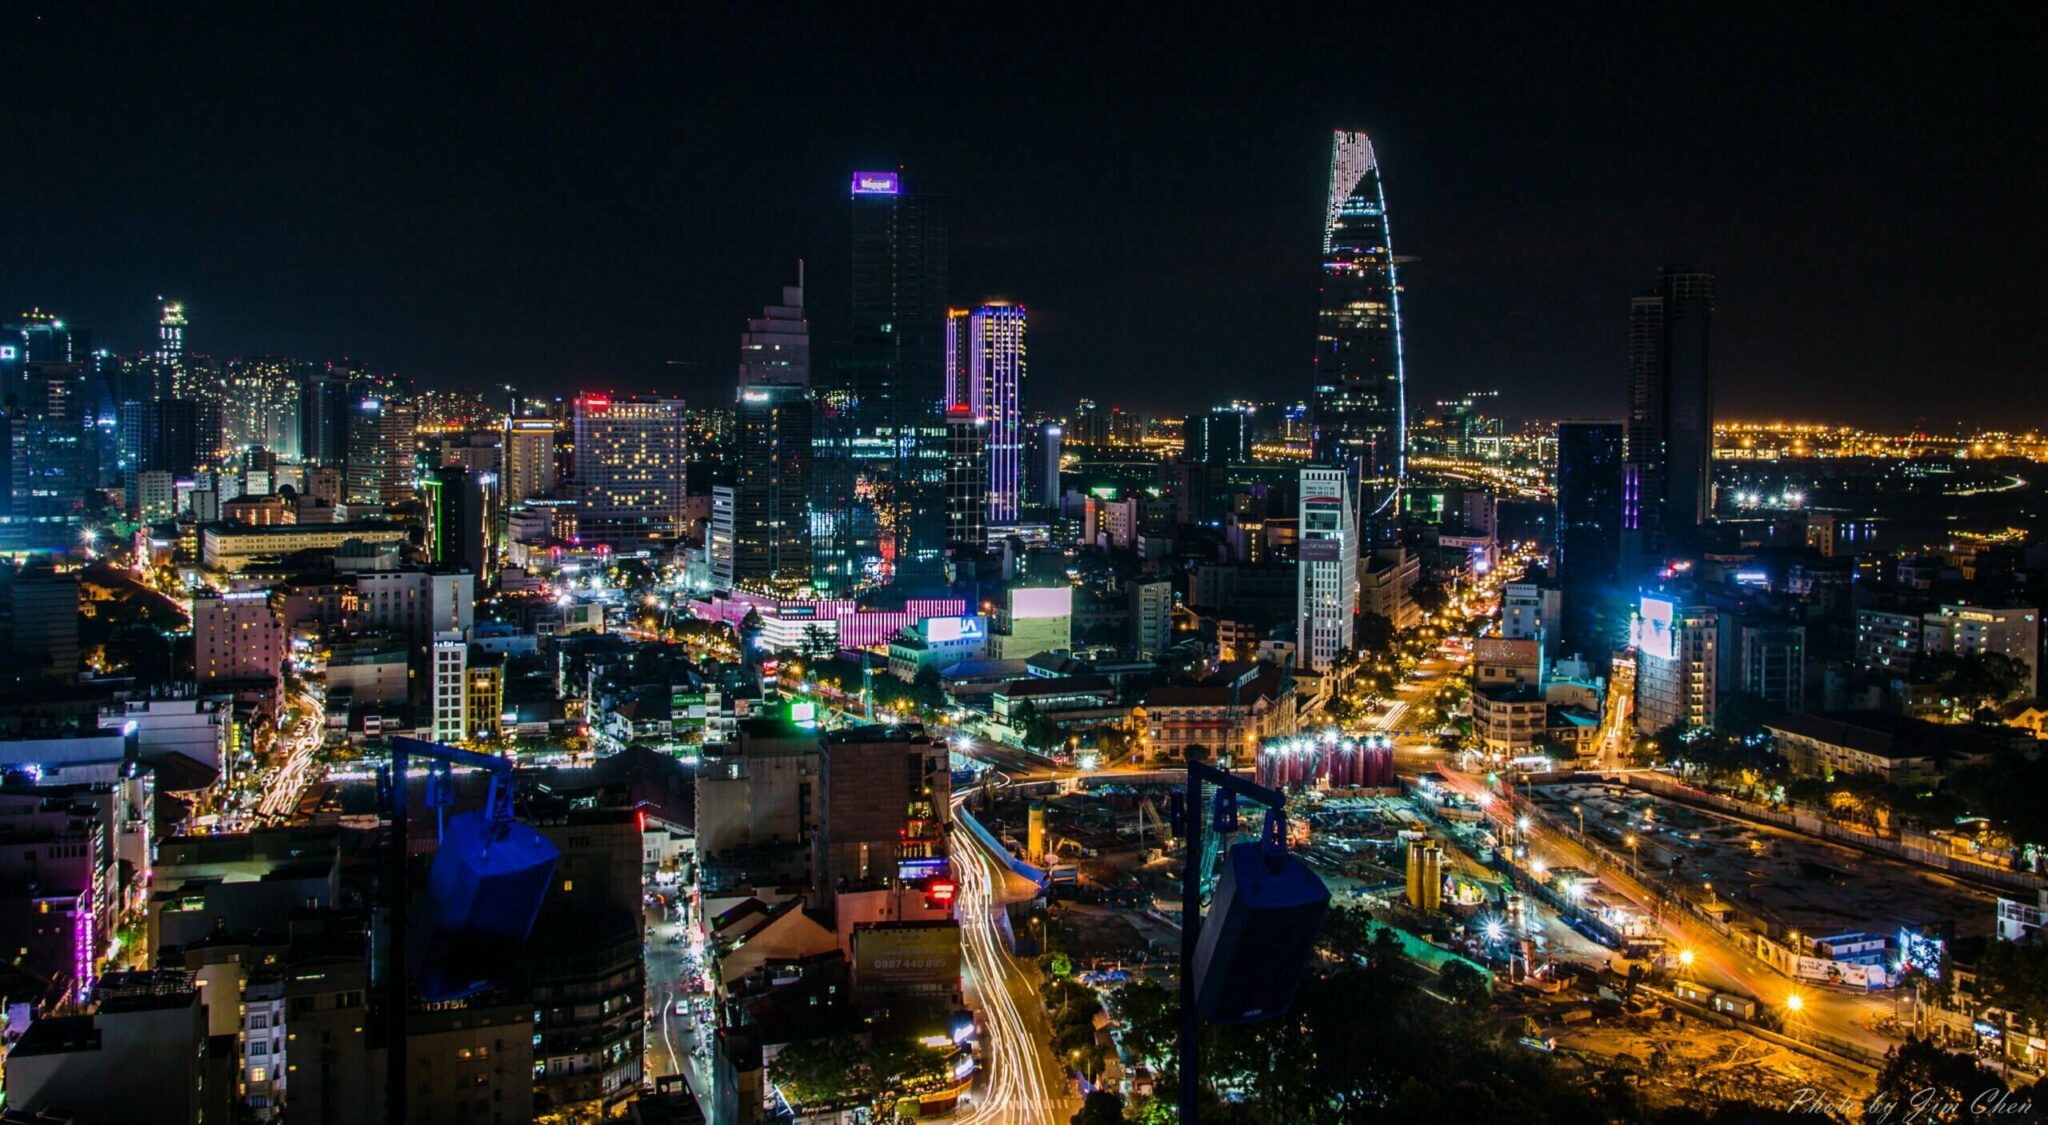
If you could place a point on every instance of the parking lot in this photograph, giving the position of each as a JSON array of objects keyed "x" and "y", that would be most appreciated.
[{"x": 1798, "y": 882}]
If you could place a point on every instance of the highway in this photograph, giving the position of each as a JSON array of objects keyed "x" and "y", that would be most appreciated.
[{"x": 1022, "y": 1083}]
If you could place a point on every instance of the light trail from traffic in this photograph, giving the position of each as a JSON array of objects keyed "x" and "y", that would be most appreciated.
[{"x": 1022, "y": 1086}]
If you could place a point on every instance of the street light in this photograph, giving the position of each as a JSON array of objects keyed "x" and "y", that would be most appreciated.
[
  {"x": 1581, "y": 814},
  {"x": 1631, "y": 842},
  {"x": 1685, "y": 957},
  {"x": 1795, "y": 1003}
]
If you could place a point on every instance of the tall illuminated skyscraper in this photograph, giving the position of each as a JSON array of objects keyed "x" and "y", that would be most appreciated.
[
  {"x": 170, "y": 352},
  {"x": 772, "y": 431},
  {"x": 878, "y": 507},
  {"x": 629, "y": 470},
  {"x": 985, "y": 363},
  {"x": 1360, "y": 405},
  {"x": 1670, "y": 412}
]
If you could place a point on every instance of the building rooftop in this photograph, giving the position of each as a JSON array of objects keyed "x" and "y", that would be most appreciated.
[
  {"x": 57, "y": 1035},
  {"x": 1054, "y": 685},
  {"x": 1889, "y": 735}
]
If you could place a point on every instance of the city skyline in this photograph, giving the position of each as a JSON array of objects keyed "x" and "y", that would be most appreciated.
[{"x": 503, "y": 284}]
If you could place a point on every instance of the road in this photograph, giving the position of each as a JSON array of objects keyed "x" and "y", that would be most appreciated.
[
  {"x": 1717, "y": 961},
  {"x": 673, "y": 1040},
  {"x": 286, "y": 780},
  {"x": 1021, "y": 1082}
]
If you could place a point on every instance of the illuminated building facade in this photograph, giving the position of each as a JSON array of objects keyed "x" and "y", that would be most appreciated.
[
  {"x": 967, "y": 491},
  {"x": 1677, "y": 664},
  {"x": 629, "y": 470},
  {"x": 985, "y": 363},
  {"x": 1326, "y": 583},
  {"x": 1360, "y": 405},
  {"x": 381, "y": 442},
  {"x": 171, "y": 381},
  {"x": 772, "y": 436},
  {"x": 527, "y": 468},
  {"x": 771, "y": 518}
]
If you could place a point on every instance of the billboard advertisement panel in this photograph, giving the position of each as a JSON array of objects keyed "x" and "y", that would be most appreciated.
[
  {"x": 1321, "y": 550},
  {"x": 1500, "y": 650},
  {"x": 1052, "y": 601},
  {"x": 946, "y": 630},
  {"x": 908, "y": 957},
  {"x": 1655, "y": 632}
]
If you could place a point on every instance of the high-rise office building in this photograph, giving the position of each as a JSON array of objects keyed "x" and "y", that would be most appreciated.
[
  {"x": 324, "y": 409},
  {"x": 527, "y": 452},
  {"x": 171, "y": 380},
  {"x": 176, "y": 436},
  {"x": 773, "y": 427},
  {"x": 630, "y": 455},
  {"x": 879, "y": 477},
  {"x": 1326, "y": 582},
  {"x": 718, "y": 537},
  {"x": 985, "y": 362},
  {"x": 966, "y": 478},
  {"x": 462, "y": 520},
  {"x": 259, "y": 406},
  {"x": 1588, "y": 537},
  {"x": 771, "y": 518},
  {"x": 1043, "y": 444},
  {"x": 1089, "y": 426},
  {"x": 1360, "y": 404},
  {"x": 381, "y": 440},
  {"x": 776, "y": 347},
  {"x": 1670, "y": 412},
  {"x": 1219, "y": 436}
]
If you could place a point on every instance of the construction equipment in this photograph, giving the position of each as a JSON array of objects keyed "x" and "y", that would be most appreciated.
[{"x": 1161, "y": 831}]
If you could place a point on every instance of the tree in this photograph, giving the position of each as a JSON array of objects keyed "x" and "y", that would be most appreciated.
[
  {"x": 817, "y": 642},
  {"x": 1039, "y": 731},
  {"x": 1373, "y": 632},
  {"x": 1100, "y": 1108},
  {"x": 1972, "y": 683},
  {"x": 2014, "y": 976},
  {"x": 1918, "y": 1073},
  {"x": 1462, "y": 984},
  {"x": 842, "y": 1070}
]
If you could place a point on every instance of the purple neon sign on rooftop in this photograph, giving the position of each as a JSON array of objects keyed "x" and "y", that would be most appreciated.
[{"x": 876, "y": 183}]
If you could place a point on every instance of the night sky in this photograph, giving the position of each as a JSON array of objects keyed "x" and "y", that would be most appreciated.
[{"x": 562, "y": 200}]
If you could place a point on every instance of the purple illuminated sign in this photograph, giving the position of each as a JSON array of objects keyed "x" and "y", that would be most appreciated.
[{"x": 875, "y": 183}]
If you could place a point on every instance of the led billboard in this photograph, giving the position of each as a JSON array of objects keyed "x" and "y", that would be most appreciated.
[{"x": 1655, "y": 632}]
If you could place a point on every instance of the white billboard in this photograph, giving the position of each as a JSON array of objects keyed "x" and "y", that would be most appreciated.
[{"x": 1051, "y": 601}]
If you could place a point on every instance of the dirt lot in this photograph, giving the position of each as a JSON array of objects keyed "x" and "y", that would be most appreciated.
[
  {"x": 1803, "y": 883},
  {"x": 1696, "y": 1062}
]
